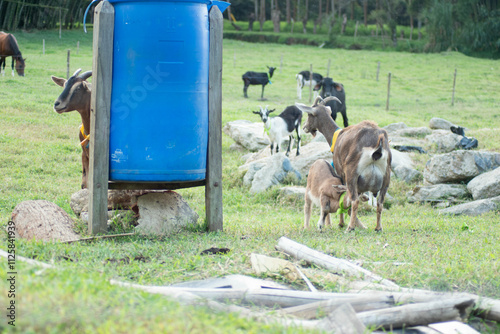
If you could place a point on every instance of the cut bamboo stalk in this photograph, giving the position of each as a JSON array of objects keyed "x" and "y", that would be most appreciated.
[
  {"x": 418, "y": 314},
  {"x": 319, "y": 309},
  {"x": 302, "y": 252}
]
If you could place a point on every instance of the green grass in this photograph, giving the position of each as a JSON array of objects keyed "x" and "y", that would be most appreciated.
[{"x": 40, "y": 159}]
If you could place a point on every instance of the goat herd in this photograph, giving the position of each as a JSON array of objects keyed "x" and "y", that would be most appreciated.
[{"x": 361, "y": 153}]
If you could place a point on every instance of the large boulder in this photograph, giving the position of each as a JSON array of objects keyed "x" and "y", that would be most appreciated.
[
  {"x": 459, "y": 166},
  {"x": 392, "y": 128},
  {"x": 43, "y": 220},
  {"x": 117, "y": 199},
  {"x": 443, "y": 141},
  {"x": 402, "y": 166},
  {"x": 437, "y": 193},
  {"x": 247, "y": 134},
  {"x": 413, "y": 132},
  {"x": 164, "y": 213},
  {"x": 486, "y": 185},
  {"x": 474, "y": 208},
  {"x": 437, "y": 123},
  {"x": 309, "y": 154},
  {"x": 274, "y": 171}
]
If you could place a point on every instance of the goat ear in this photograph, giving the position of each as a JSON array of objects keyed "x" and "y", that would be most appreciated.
[
  {"x": 59, "y": 81},
  {"x": 340, "y": 188},
  {"x": 256, "y": 112},
  {"x": 364, "y": 198},
  {"x": 302, "y": 107}
]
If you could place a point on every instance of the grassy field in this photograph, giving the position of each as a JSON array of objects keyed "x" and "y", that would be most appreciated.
[{"x": 40, "y": 159}]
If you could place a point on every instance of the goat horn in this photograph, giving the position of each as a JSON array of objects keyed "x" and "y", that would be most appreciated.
[
  {"x": 318, "y": 100},
  {"x": 85, "y": 75},
  {"x": 332, "y": 98},
  {"x": 77, "y": 72}
]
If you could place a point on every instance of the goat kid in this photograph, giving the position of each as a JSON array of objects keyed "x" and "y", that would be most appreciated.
[
  {"x": 76, "y": 96},
  {"x": 361, "y": 155},
  {"x": 331, "y": 88},
  {"x": 304, "y": 79},
  {"x": 257, "y": 78},
  {"x": 277, "y": 128},
  {"x": 325, "y": 189}
]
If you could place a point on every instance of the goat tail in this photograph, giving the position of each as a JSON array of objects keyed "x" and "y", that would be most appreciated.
[{"x": 377, "y": 154}]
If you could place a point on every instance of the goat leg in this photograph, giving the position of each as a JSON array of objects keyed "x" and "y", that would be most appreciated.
[
  {"x": 341, "y": 220},
  {"x": 290, "y": 138},
  {"x": 298, "y": 140},
  {"x": 307, "y": 210},
  {"x": 380, "y": 207}
]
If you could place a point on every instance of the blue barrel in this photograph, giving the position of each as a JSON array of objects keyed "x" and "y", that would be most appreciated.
[{"x": 159, "y": 99}]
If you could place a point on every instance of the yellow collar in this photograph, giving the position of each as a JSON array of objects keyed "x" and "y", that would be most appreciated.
[
  {"x": 82, "y": 131},
  {"x": 334, "y": 139}
]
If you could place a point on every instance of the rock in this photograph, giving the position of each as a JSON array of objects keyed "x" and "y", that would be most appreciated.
[
  {"x": 402, "y": 166},
  {"x": 413, "y": 132},
  {"x": 117, "y": 199},
  {"x": 406, "y": 141},
  {"x": 252, "y": 169},
  {"x": 459, "y": 166},
  {"x": 43, "y": 220},
  {"x": 309, "y": 154},
  {"x": 474, "y": 208},
  {"x": 437, "y": 193},
  {"x": 438, "y": 123},
  {"x": 292, "y": 192},
  {"x": 164, "y": 213},
  {"x": 274, "y": 172},
  {"x": 486, "y": 185},
  {"x": 391, "y": 128},
  {"x": 443, "y": 141},
  {"x": 247, "y": 134}
]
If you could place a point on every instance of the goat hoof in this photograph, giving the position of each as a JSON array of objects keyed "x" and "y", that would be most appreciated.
[
  {"x": 378, "y": 230},
  {"x": 349, "y": 229}
]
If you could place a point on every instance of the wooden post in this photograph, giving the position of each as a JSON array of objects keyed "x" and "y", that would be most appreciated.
[
  {"x": 99, "y": 117},
  {"x": 356, "y": 29},
  {"x": 67, "y": 64},
  {"x": 453, "y": 94},
  {"x": 378, "y": 69},
  {"x": 213, "y": 186},
  {"x": 310, "y": 81},
  {"x": 60, "y": 23},
  {"x": 328, "y": 68},
  {"x": 43, "y": 47},
  {"x": 388, "y": 91},
  {"x": 281, "y": 63},
  {"x": 77, "y": 47}
]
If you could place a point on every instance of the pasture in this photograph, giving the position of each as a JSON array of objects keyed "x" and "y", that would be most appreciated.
[{"x": 40, "y": 159}]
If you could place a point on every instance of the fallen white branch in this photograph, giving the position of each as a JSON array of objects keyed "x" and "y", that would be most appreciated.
[
  {"x": 420, "y": 314},
  {"x": 302, "y": 252},
  {"x": 25, "y": 259}
]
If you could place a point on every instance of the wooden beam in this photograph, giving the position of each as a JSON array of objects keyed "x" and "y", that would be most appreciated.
[
  {"x": 100, "y": 117},
  {"x": 213, "y": 188},
  {"x": 154, "y": 185}
]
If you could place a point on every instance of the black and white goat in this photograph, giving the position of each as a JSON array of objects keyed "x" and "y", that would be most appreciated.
[
  {"x": 277, "y": 128},
  {"x": 304, "y": 79},
  {"x": 257, "y": 78},
  {"x": 331, "y": 88}
]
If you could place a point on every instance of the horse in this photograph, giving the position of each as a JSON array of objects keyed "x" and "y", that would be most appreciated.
[{"x": 9, "y": 47}]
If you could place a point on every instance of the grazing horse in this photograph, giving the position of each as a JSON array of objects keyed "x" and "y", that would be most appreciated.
[{"x": 9, "y": 47}]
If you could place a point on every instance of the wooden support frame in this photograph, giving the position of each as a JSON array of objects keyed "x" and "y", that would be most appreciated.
[{"x": 100, "y": 124}]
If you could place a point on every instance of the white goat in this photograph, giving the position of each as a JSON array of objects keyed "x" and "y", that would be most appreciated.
[{"x": 281, "y": 126}]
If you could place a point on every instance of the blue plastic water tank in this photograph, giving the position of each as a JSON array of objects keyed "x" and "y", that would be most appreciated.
[{"x": 159, "y": 99}]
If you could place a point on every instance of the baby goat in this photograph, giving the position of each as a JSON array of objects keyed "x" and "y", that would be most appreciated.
[
  {"x": 304, "y": 79},
  {"x": 361, "y": 155},
  {"x": 277, "y": 128},
  {"x": 257, "y": 78},
  {"x": 325, "y": 190}
]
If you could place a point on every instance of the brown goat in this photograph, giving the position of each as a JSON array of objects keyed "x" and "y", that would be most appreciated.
[
  {"x": 361, "y": 155},
  {"x": 325, "y": 190},
  {"x": 76, "y": 96}
]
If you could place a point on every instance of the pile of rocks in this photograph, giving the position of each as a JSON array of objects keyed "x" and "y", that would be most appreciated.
[{"x": 444, "y": 177}]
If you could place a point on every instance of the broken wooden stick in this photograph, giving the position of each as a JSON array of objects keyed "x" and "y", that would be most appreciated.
[
  {"x": 303, "y": 252},
  {"x": 420, "y": 314},
  {"x": 322, "y": 308},
  {"x": 99, "y": 237}
]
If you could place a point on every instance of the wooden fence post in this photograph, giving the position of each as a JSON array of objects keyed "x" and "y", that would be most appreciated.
[
  {"x": 378, "y": 69},
  {"x": 310, "y": 83},
  {"x": 453, "y": 94},
  {"x": 213, "y": 185},
  {"x": 328, "y": 68},
  {"x": 67, "y": 64},
  {"x": 281, "y": 63},
  {"x": 102, "y": 68},
  {"x": 43, "y": 47},
  {"x": 77, "y": 47},
  {"x": 388, "y": 91}
]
